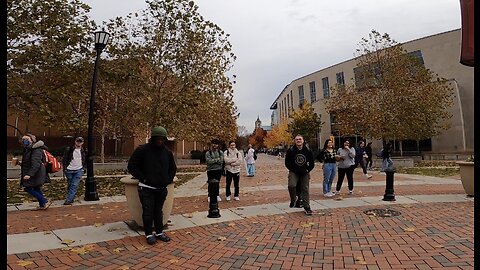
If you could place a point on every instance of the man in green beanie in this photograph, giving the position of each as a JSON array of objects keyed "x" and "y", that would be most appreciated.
[{"x": 154, "y": 167}]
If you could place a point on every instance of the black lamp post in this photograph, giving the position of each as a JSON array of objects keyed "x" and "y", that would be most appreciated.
[{"x": 101, "y": 39}]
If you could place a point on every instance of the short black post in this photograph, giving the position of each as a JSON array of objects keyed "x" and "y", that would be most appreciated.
[
  {"x": 213, "y": 191},
  {"x": 389, "y": 193}
]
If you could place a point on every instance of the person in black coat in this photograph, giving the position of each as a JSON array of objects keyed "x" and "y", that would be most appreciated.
[
  {"x": 33, "y": 172},
  {"x": 154, "y": 166}
]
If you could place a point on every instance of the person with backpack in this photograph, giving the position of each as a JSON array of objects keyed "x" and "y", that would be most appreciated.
[
  {"x": 215, "y": 165},
  {"x": 299, "y": 162},
  {"x": 250, "y": 160},
  {"x": 360, "y": 156},
  {"x": 387, "y": 163},
  {"x": 154, "y": 166},
  {"x": 233, "y": 161},
  {"x": 33, "y": 172},
  {"x": 74, "y": 166}
]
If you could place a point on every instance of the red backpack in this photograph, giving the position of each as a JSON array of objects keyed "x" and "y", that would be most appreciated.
[{"x": 51, "y": 163}]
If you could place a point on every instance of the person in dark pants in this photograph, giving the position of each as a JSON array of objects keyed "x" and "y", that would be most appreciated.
[
  {"x": 233, "y": 162},
  {"x": 154, "y": 166},
  {"x": 33, "y": 173},
  {"x": 299, "y": 162},
  {"x": 214, "y": 160},
  {"x": 368, "y": 151},
  {"x": 346, "y": 165}
]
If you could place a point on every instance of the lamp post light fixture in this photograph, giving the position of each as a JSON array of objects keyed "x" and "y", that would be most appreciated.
[{"x": 101, "y": 40}]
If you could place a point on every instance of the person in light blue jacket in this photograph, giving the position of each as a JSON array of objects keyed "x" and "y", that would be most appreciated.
[{"x": 346, "y": 165}]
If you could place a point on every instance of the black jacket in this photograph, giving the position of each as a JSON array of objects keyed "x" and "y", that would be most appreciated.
[
  {"x": 68, "y": 156},
  {"x": 299, "y": 161},
  {"x": 152, "y": 165},
  {"x": 32, "y": 164}
]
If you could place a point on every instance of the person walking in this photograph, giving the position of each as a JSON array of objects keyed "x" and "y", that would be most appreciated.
[
  {"x": 360, "y": 156},
  {"x": 329, "y": 166},
  {"x": 214, "y": 160},
  {"x": 368, "y": 151},
  {"x": 154, "y": 166},
  {"x": 74, "y": 166},
  {"x": 299, "y": 162},
  {"x": 250, "y": 160},
  {"x": 233, "y": 161},
  {"x": 346, "y": 165},
  {"x": 387, "y": 163},
  {"x": 33, "y": 172}
]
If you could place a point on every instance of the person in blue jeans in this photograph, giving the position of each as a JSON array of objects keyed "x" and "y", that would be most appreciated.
[
  {"x": 74, "y": 166},
  {"x": 33, "y": 171},
  {"x": 327, "y": 157}
]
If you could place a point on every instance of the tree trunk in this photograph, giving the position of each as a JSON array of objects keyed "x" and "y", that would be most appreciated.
[{"x": 401, "y": 148}]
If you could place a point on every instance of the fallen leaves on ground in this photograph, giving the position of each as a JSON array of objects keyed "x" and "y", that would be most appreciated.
[{"x": 24, "y": 263}]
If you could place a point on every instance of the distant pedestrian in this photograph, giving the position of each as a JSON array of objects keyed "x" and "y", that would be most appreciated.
[
  {"x": 299, "y": 162},
  {"x": 346, "y": 165},
  {"x": 250, "y": 160},
  {"x": 360, "y": 158},
  {"x": 154, "y": 166},
  {"x": 387, "y": 163},
  {"x": 74, "y": 166},
  {"x": 214, "y": 160},
  {"x": 329, "y": 167},
  {"x": 33, "y": 172},
  {"x": 368, "y": 151},
  {"x": 233, "y": 162}
]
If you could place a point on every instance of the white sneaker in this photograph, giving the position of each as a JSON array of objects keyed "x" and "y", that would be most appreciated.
[
  {"x": 330, "y": 194},
  {"x": 326, "y": 195},
  {"x": 219, "y": 199},
  {"x": 208, "y": 198},
  {"x": 228, "y": 198},
  {"x": 236, "y": 198},
  {"x": 368, "y": 176},
  {"x": 350, "y": 192}
]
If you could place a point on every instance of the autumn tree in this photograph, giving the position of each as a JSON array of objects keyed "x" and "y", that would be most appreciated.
[
  {"x": 305, "y": 122},
  {"x": 278, "y": 136},
  {"x": 49, "y": 47},
  {"x": 179, "y": 65},
  {"x": 394, "y": 96},
  {"x": 256, "y": 139}
]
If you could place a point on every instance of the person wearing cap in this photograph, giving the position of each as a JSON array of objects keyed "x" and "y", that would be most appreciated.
[
  {"x": 74, "y": 166},
  {"x": 33, "y": 172},
  {"x": 154, "y": 166}
]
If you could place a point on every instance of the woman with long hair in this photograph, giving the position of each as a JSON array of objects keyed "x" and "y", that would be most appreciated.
[{"x": 327, "y": 157}]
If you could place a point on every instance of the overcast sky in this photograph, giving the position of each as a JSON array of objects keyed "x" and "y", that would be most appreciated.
[{"x": 278, "y": 41}]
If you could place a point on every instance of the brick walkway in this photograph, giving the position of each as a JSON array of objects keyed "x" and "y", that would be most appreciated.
[{"x": 424, "y": 236}]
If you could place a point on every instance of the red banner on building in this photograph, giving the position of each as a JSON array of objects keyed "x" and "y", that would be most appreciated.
[{"x": 466, "y": 57}]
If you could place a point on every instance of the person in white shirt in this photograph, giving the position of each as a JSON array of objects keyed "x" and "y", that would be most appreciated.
[
  {"x": 74, "y": 167},
  {"x": 250, "y": 160},
  {"x": 233, "y": 161}
]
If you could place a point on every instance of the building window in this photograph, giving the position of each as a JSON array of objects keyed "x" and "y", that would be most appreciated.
[
  {"x": 313, "y": 92},
  {"x": 326, "y": 87},
  {"x": 340, "y": 78},
  {"x": 291, "y": 96},
  {"x": 301, "y": 96}
]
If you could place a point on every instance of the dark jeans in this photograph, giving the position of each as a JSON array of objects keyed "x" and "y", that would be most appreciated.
[
  {"x": 214, "y": 174},
  {"x": 37, "y": 193},
  {"x": 369, "y": 162},
  {"x": 362, "y": 164},
  {"x": 341, "y": 175},
  {"x": 152, "y": 203},
  {"x": 236, "y": 181}
]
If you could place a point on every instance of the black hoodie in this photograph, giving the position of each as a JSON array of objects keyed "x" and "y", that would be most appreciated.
[
  {"x": 299, "y": 161},
  {"x": 153, "y": 165}
]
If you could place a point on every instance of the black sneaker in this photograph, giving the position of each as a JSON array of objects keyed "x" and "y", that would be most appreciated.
[
  {"x": 163, "y": 237},
  {"x": 67, "y": 203},
  {"x": 299, "y": 203},
  {"x": 151, "y": 240},
  {"x": 308, "y": 211},
  {"x": 292, "y": 203}
]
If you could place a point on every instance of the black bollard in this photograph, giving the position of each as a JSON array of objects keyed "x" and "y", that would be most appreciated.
[
  {"x": 213, "y": 186},
  {"x": 389, "y": 193}
]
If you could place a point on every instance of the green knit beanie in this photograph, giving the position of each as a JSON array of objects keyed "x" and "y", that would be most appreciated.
[{"x": 159, "y": 132}]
